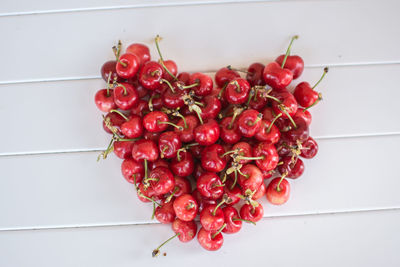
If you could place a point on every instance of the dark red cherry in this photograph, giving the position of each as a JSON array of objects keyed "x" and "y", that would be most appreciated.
[
  {"x": 258, "y": 101},
  {"x": 131, "y": 170},
  {"x": 182, "y": 164},
  {"x": 168, "y": 144},
  {"x": 269, "y": 155},
  {"x": 140, "y": 108},
  {"x": 104, "y": 100},
  {"x": 292, "y": 167},
  {"x": 150, "y": 75},
  {"x": 125, "y": 96},
  {"x": 298, "y": 133},
  {"x": 158, "y": 163},
  {"x": 212, "y": 159},
  {"x": 237, "y": 91},
  {"x": 304, "y": 114},
  {"x": 127, "y": 66},
  {"x": 210, "y": 186},
  {"x": 293, "y": 63},
  {"x": 224, "y": 76},
  {"x": 186, "y": 133},
  {"x": 229, "y": 131},
  {"x": 255, "y": 74},
  {"x": 249, "y": 122},
  {"x": 310, "y": 148},
  {"x": 151, "y": 136},
  {"x": 204, "y": 83},
  {"x": 144, "y": 150},
  {"x": 123, "y": 149},
  {"x": 109, "y": 68},
  {"x": 141, "y": 51},
  {"x": 173, "y": 98},
  {"x": 184, "y": 77},
  {"x": 207, "y": 133},
  {"x": 268, "y": 114}
]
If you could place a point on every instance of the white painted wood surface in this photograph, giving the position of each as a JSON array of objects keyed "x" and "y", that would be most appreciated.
[{"x": 51, "y": 60}]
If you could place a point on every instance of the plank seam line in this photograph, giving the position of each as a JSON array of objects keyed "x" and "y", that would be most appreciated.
[
  {"x": 311, "y": 214},
  {"x": 314, "y": 66}
]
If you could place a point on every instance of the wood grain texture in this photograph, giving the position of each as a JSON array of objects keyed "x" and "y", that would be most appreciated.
[
  {"x": 72, "y": 189},
  {"x": 356, "y": 239},
  {"x": 74, "y": 45}
]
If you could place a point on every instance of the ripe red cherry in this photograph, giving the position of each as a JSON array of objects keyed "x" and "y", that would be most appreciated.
[
  {"x": 127, "y": 66},
  {"x": 292, "y": 168},
  {"x": 182, "y": 164},
  {"x": 104, "y": 100},
  {"x": 250, "y": 213},
  {"x": 250, "y": 178},
  {"x": 268, "y": 114},
  {"x": 245, "y": 151},
  {"x": 184, "y": 77},
  {"x": 278, "y": 196},
  {"x": 224, "y": 76},
  {"x": 140, "y": 108},
  {"x": 208, "y": 241},
  {"x": 249, "y": 122},
  {"x": 255, "y": 74},
  {"x": 196, "y": 151},
  {"x": 158, "y": 163},
  {"x": 232, "y": 220},
  {"x": 237, "y": 91},
  {"x": 132, "y": 128},
  {"x": 173, "y": 98},
  {"x": 185, "y": 207},
  {"x": 305, "y": 95},
  {"x": 187, "y": 230},
  {"x": 298, "y": 133},
  {"x": 260, "y": 192},
  {"x": 145, "y": 150},
  {"x": 268, "y": 133},
  {"x": 270, "y": 157},
  {"x": 229, "y": 131},
  {"x": 276, "y": 77},
  {"x": 115, "y": 120},
  {"x": 310, "y": 148},
  {"x": 287, "y": 105},
  {"x": 109, "y": 68},
  {"x": 146, "y": 191},
  {"x": 131, "y": 170},
  {"x": 172, "y": 67},
  {"x": 186, "y": 133},
  {"x": 165, "y": 213},
  {"x": 258, "y": 101},
  {"x": 161, "y": 180},
  {"x": 123, "y": 149},
  {"x": 155, "y": 121},
  {"x": 212, "y": 218},
  {"x": 150, "y": 75},
  {"x": 207, "y": 133},
  {"x": 204, "y": 83},
  {"x": 212, "y": 107},
  {"x": 232, "y": 195},
  {"x": 293, "y": 63},
  {"x": 212, "y": 159},
  {"x": 182, "y": 186},
  {"x": 168, "y": 144},
  {"x": 151, "y": 136},
  {"x": 141, "y": 51},
  {"x": 305, "y": 115},
  {"x": 210, "y": 186},
  {"x": 125, "y": 96}
]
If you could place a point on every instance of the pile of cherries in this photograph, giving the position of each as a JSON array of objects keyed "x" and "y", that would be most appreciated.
[{"x": 194, "y": 146}]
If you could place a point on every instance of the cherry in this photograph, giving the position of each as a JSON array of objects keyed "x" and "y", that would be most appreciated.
[
  {"x": 158, "y": 163},
  {"x": 132, "y": 170},
  {"x": 298, "y": 133},
  {"x": 210, "y": 186},
  {"x": 278, "y": 191},
  {"x": 151, "y": 136},
  {"x": 161, "y": 180},
  {"x": 212, "y": 159},
  {"x": 109, "y": 68},
  {"x": 145, "y": 194},
  {"x": 250, "y": 177},
  {"x": 237, "y": 91},
  {"x": 309, "y": 148},
  {"x": 104, "y": 100},
  {"x": 165, "y": 213},
  {"x": 211, "y": 108},
  {"x": 125, "y": 96},
  {"x": 210, "y": 241},
  {"x": 185, "y": 207},
  {"x": 258, "y": 101},
  {"x": 182, "y": 186},
  {"x": 196, "y": 151},
  {"x": 229, "y": 131},
  {"x": 292, "y": 167},
  {"x": 212, "y": 218},
  {"x": 156, "y": 121},
  {"x": 142, "y": 92},
  {"x": 114, "y": 121},
  {"x": 140, "y": 108},
  {"x": 260, "y": 192},
  {"x": 293, "y": 63},
  {"x": 168, "y": 144},
  {"x": 172, "y": 68},
  {"x": 204, "y": 83},
  {"x": 133, "y": 127},
  {"x": 184, "y": 77},
  {"x": 188, "y": 124},
  {"x": 187, "y": 230},
  {"x": 141, "y": 51},
  {"x": 224, "y": 76},
  {"x": 268, "y": 133},
  {"x": 173, "y": 97},
  {"x": 245, "y": 151},
  {"x": 249, "y": 122},
  {"x": 127, "y": 66},
  {"x": 305, "y": 94},
  {"x": 123, "y": 149},
  {"x": 150, "y": 75},
  {"x": 269, "y": 156},
  {"x": 198, "y": 171},
  {"x": 232, "y": 193},
  {"x": 155, "y": 101},
  {"x": 182, "y": 164},
  {"x": 207, "y": 133},
  {"x": 268, "y": 114},
  {"x": 287, "y": 105},
  {"x": 145, "y": 150},
  {"x": 232, "y": 220},
  {"x": 252, "y": 213},
  {"x": 255, "y": 74}
]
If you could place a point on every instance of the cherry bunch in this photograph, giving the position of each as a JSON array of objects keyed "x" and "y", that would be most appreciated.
[{"x": 193, "y": 146}]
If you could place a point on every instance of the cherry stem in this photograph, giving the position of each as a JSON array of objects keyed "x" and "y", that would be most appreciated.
[
  {"x": 222, "y": 90},
  {"x": 234, "y": 181},
  {"x": 274, "y": 98},
  {"x": 145, "y": 169},
  {"x": 177, "y": 154},
  {"x": 123, "y": 86},
  {"x": 243, "y": 220},
  {"x": 199, "y": 104},
  {"x": 170, "y": 123},
  {"x": 290, "y": 117},
  {"x": 154, "y": 211},
  {"x": 236, "y": 112},
  {"x": 216, "y": 207},
  {"x": 288, "y": 50},
  {"x": 229, "y": 152},
  {"x": 157, "y": 40},
  {"x": 169, "y": 84},
  {"x": 109, "y": 148},
  {"x": 278, "y": 189},
  {"x": 189, "y": 206},
  {"x": 108, "y": 83},
  {"x": 252, "y": 123},
  {"x": 273, "y": 121},
  {"x": 250, "y": 96},
  {"x": 156, "y": 252},
  {"x": 150, "y": 104},
  {"x": 229, "y": 67},
  {"x": 168, "y": 199},
  {"x": 250, "y": 158},
  {"x": 313, "y": 104},
  {"x": 322, "y": 77},
  {"x": 120, "y": 113},
  {"x": 148, "y": 198},
  {"x": 177, "y": 114},
  {"x": 219, "y": 231},
  {"x": 128, "y": 139},
  {"x": 241, "y": 173},
  {"x": 122, "y": 63},
  {"x": 188, "y": 86},
  {"x": 117, "y": 49},
  {"x": 163, "y": 151}
]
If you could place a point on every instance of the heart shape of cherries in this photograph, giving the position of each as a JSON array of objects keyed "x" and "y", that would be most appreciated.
[{"x": 194, "y": 146}]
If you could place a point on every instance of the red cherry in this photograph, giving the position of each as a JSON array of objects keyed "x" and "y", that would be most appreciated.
[
  {"x": 184, "y": 77},
  {"x": 212, "y": 218},
  {"x": 268, "y": 114},
  {"x": 207, "y": 133},
  {"x": 224, "y": 76},
  {"x": 182, "y": 164},
  {"x": 278, "y": 196},
  {"x": 186, "y": 133},
  {"x": 104, "y": 100},
  {"x": 305, "y": 95},
  {"x": 173, "y": 98},
  {"x": 258, "y": 101},
  {"x": 292, "y": 168},
  {"x": 270, "y": 157},
  {"x": 169, "y": 143},
  {"x": 268, "y": 133},
  {"x": 208, "y": 241},
  {"x": 196, "y": 151},
  {"x": 150, "y": 75},
  {"x": 127, "y": 66},
  {"x": 201, "y": 200},
  {"x": 123, "y": 149},
  {"x": 293, "y": 63},
  {"x": 305, "y": 115},
  {"x": 185, "y": 207},
  {"x": 204, "y": 84},
  {"x": 141, "y": 51},
  {"x": 145, "y": 150},
  {"x": 161, "y": 180},
  {"x": 287, "y": 105},
  {"x": 232, "y": 194},
  {"x": 151, "y": 136},
  {"x": 229, "y": 131},
  {"x": 232, "y": 220},
  {"x": 187, "y": 230},
  {"x": 198, "y": 171},
  {"x": 131, "y": 168},
  {"x": 172, "y": 67},
  {"x": 250, "y": 213},
  {"x": 140, "y": 108},
  {"x": 158, "y": 163},
  {"x": 249, "y": 122},
  {"x": 115, "y": 120},
  {"x": 260, "y": 192},
  {"x": 212, "y": 107},
  {"x": 212, "y": 159},
  {"x": 298, "y": 133},
  {"x": 255, "y": 74},
  {"x": 125, "y": 96},
  {"x": 132, "y": 128},
  {"x": 165, "y": 213},
  {"x": 237, "y": 91},
  {"x": 155, "y": 121},
  {"x": 148, "y": 192},
  {"x": 245, "y": 151},
  {"x": 250, "y": 178},
  {"x": 109, "y": 68},
  {"x": 276, "y": 77},
  {"x": 310, "y": 148},
  {"x": 210, "y": 186},
  {"x": 182, "y": 186}
]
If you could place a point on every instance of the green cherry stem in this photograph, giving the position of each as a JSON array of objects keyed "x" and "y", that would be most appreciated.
[
  {"x": 183, "y": 87},
  {"x": 280, "y": 181},
  {"x": 177, "y": 114},
  {"x": 154, "y": 211},
  {"x": 123, "y": 86},
  {"x": 156, "y": 252},
  {"x": 288, "y": 50},
  {"x": 219, "y": 231},
  {"x": 274, "y": 98},
  {"x": 273, "y": 121},
  {"x": 216, "y": 207},
  {"x": 170, "y": 123},
  {"x": 229, "y": 67},
  {"x": 283, "y": 109},
  {"x": 243, "y": 220},
  {"x": 169, "y": 84},
  {"x": 120, "y": 113},
  {"x": 322, "y": 77},
  {"x": 157, "y": 40},
  {"x": 234, "y": 181},
  {"x": 108, "y": 83},
  {"x": 250, "y": 158},
  {"x": 145, "y": 169}
]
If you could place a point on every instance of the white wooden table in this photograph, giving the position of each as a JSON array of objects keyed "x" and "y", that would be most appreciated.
[{"x": 59, "y": 207}]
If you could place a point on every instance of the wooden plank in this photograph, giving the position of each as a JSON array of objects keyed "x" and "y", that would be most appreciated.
[
  {"x": 61, "y": 116},
  {"x": 355, "y": 239},
  {"x": 72, "y": 189},
  {"x": 74, "y": 45}
]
